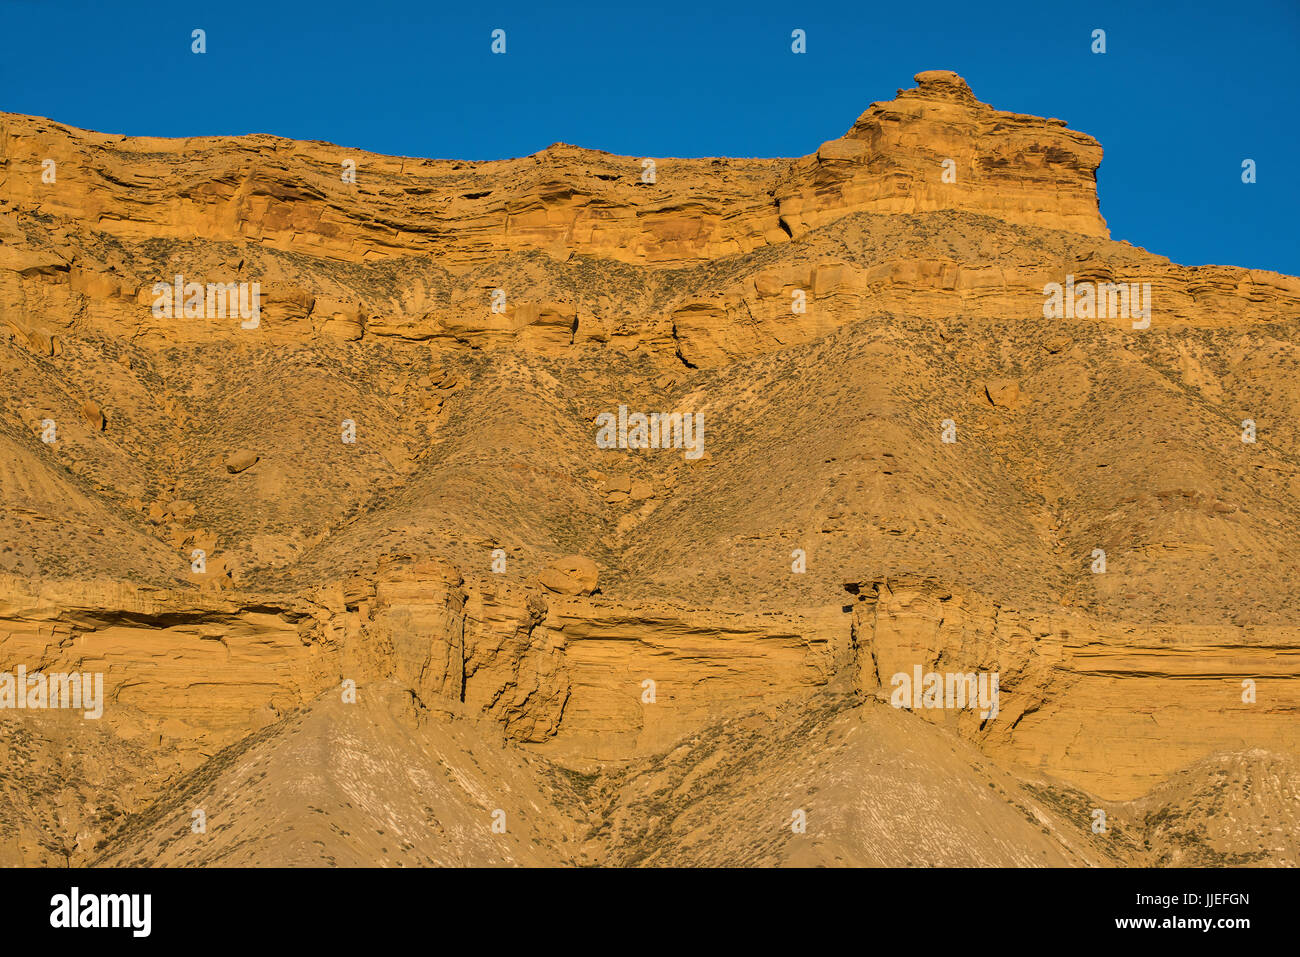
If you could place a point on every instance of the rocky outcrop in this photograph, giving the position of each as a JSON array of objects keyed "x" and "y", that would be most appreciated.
[
  {"x": 463, "y": 228},
  {"x": 1113, "y": 707},
  {"x": 240, "y": 461},
  {"x": 937, "y": 147},
  {"x": 353, "y": 462},
  {"x": 564, "y": 200},
  {"x": 572, "y": 575}
]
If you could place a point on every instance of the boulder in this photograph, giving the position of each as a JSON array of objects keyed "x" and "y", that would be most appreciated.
[
  {"x": 571, "y": 575},
  {"x": 237, "y": 462},
  {"x": 1003, "y": 393},
  {"x": 94, "y": 415}
]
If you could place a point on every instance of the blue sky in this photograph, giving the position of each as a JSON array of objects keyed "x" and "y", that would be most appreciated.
[{"x": 1184, "y": 93}]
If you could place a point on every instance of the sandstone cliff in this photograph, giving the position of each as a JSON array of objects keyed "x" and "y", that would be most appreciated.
[{"x": 469, "y": 323}]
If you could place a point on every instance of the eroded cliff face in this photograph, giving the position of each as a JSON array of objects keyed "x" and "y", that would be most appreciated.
[
  {"x": 290, "y": 195},
  {"x": 1019, "y": 169},
  {"x": 700, "y": 263},
  {"x": 1113, "y": 707},
  {"x": 904, "y": 463}
]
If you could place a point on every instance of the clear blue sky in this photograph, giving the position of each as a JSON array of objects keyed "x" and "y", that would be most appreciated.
[{"x": 1185, "y": 92}]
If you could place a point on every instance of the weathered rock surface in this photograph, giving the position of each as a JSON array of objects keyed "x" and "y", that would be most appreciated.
[
  {"x": 904, "y": 463},
  {"x": 240, "y": 461},
  {"x": 94, "y": 415},
  {"x": 571, "y": 575}
]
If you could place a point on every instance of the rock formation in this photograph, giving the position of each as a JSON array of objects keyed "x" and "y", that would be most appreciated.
[{"x": 308, "y": 469}]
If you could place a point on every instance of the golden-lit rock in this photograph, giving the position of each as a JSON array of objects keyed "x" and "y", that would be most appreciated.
[
  {"x": 900, "y": 455},
  {"x": 571, "y": 575}
]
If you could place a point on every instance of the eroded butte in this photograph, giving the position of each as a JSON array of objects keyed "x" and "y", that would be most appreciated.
[{"x": 569, "y": 654}]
